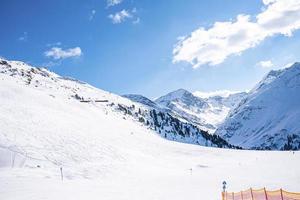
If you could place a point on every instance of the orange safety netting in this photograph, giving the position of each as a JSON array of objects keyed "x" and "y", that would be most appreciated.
[{"x": 261, "y": 194}]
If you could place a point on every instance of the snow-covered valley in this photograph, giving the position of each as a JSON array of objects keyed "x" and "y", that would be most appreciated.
[{"x": 50, "y": 123}]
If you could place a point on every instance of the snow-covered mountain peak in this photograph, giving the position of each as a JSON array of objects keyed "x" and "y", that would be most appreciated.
[
  {"x": 206, "y": 113},
  {"x": 176, "y": 95},
  {"x": 271, "y": 76},
  {"x": 275, "y": 74},
  {"x": 142, "y": 100},
  {"x": 16, "y": 64},
  {"x": 182, "y": 97},
  {"x": 269, "y": 115},
  {"x": 54, "y": 85},
  {"x": 22, "y": 70},
  {"x": 179, "y": 92}
]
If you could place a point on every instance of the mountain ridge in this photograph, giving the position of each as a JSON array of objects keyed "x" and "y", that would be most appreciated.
[
  {"x": 271, "y": 107},
  {"x": 206, "y": 113},
  {"x": 268, "y": 117}
]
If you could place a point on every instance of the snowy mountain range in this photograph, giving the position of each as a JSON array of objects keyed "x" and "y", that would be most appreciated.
[
  {"x": 265, "y": 118},
  {"x": 37, "y": 81},
  {"x": 206, "y": 113},
  {"x": 269, "y": 116}
]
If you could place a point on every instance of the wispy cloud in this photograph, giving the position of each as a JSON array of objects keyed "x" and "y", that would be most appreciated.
[
  {"x": 120, "y": 17},
  {"x": 59, "y": 53},
  {"x": 53, "y": 44},
  {"x": 51, "y": 63},
  {"x": 123, "y": 15},
  {"x": 110, "y": 3},
  {"x": 23, "y": 37},
  {"x": 265, "y": 64},
  {"x": 92, "y": 15},
  {"x": 212, "y": 46},
  {"x": 222, "y": 93}
]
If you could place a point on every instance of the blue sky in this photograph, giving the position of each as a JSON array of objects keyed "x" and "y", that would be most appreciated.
[{"x": 128, "y": 47}]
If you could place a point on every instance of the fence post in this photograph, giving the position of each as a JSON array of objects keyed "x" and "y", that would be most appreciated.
[
  {"x": 61, "y": 174},
  {"x": 281, "y": 194},
  {"x": 251, "y": 193},
  {"x": 233, "y": 196},
  {"x": 242, "y": 195},
  {"x": 224, "y": 190},
  {"x": 266, "y": 193}
]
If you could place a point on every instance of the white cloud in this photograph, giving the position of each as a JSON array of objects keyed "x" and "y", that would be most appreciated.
[
  {"x": 265, "y": 64},
  {"x": 92, "y": 15},
  {"x": 212, "y": 46},
  {"x": 120, "y": 17},
  {"x": 58, "y": 53},
  {"x": 267, "y": 2},
  {"x": 24, "y": 37},
  {"x": 113, "y": 2},
  {"x": 222, "y": 93},
  {"x": 280, "y": 17}
]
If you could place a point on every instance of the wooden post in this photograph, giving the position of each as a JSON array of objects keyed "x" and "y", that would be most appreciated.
[
  {"x": 61, "y": 174},
  {"x": 281, "y": 194},
  {"x": 242, "y": 195},
  {"x": 266, "y": 195},
  {"x": 233, "y": 196},
  {"x": 13, "y": 157},
  {"x": 251, "y": 193}
]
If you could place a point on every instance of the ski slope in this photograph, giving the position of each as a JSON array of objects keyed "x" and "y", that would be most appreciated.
[{"x": 105, "y": 154}]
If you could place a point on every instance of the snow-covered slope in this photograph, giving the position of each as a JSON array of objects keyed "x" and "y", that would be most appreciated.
[
  {"x": 70, "y": 90},
  {"x": 268, "y": 118},
  {"x": 50, "y": 123},
  {"x": 206, "y": 113}
]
